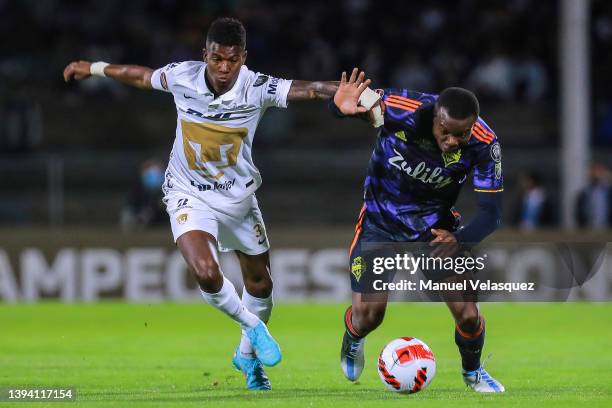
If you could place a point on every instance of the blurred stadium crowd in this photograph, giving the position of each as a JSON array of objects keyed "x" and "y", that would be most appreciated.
[{"x": 505, "y": 50}]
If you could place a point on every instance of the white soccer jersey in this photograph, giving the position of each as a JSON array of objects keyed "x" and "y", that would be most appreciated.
[{"x": 211, "y": 154}]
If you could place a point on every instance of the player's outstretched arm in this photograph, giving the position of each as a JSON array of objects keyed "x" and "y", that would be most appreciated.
[
  {"x": 133, "y": 75},
  {"x": 310, "y": 90}
]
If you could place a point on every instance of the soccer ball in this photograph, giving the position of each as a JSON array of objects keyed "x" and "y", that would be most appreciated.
[{"x": 406, "y": 365}]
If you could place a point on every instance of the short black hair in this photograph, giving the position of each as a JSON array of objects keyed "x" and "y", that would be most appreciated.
[
  {"x": 227, "y": 31},
  {"x": 459, "y": 103}
]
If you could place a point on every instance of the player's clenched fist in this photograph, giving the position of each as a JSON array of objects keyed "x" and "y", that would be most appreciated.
[{"x": 77, "y": 70}]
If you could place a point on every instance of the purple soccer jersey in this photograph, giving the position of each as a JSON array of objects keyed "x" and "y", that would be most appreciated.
[{"x": 411, "y": 185}]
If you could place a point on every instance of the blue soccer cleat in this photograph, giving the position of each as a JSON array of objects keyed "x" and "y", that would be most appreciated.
[
  {"x": 256, "y": 378},
  {"x": 266, "y": 348},
  {"x": 481, "y": 381},
  {"x": 352, "y": 357}
]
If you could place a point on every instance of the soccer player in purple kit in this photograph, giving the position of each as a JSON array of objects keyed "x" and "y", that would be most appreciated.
[{"x": 423, "y": 155}]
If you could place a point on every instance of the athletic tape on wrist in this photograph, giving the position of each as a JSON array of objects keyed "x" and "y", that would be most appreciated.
[
  {"x": 368, "y": 98},
  {"x": 97, "y": 68},
  {"x": 378, "y": 116}
]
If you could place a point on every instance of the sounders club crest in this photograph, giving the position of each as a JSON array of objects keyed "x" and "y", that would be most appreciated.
[
  {"x": 358, "y": 268},
  {"x": 451, "y": 157}
]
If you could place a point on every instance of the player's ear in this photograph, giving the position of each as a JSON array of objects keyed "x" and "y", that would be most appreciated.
[
  {"x": 244, "y": 56},
  {"x": 204, "y": 54}
]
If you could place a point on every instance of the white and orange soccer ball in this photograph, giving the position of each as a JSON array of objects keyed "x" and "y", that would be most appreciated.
[{"x": 406, "y": 365}]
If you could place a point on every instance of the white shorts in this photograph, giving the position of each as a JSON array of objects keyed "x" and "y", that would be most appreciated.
[{"x": 235, "y": 226}]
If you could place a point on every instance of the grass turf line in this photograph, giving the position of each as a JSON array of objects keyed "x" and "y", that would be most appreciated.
[{"x": 547, "y": 355}]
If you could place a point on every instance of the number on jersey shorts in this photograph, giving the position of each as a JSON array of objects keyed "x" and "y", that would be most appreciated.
[{"x": 236, "y": 226}]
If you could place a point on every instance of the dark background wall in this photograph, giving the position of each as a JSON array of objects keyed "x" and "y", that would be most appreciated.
[{"x": 79, "y": 147}]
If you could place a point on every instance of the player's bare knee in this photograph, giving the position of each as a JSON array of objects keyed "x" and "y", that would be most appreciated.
[
  {"x": 368, "y": 317},
  {"x": 259, "y": 286},
  {"x": 207, "y": 273},
  {"x": 469, "y": 320}
]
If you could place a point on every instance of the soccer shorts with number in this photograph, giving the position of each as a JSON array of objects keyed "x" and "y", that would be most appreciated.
[{"x": 236, "y": 226}]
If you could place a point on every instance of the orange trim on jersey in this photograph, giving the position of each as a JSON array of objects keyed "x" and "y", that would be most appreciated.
[
  {"x": 398, "y": 98},
  {"x": 483, "y": 132},
  {"x": 404, "y": 103},
  {"x": 487, "y": 141},
  {"x": 488, "y": 191},
  {"x": 403, "y": 107},
  {"x": 472, "y": 335},
  {"x": 358, "y": 229},
  {"x": 361, "y": 213},
  {"x": 408, "y": 105},
  {"x": 480, "y": 133}
]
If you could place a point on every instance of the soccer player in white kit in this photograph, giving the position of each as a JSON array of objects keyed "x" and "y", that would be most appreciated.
[{"x": 210, "y": 183}]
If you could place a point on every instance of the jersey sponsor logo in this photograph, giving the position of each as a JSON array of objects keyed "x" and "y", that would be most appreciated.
[
  {"x": 358, "y": 267},
  {"x": 193, "y": 112},
  {"x": 272, "y": 86},
  {"x": 181, "y": 219},
  {"x": 420, "y": 172},
  {"x": 451, "y": 157},
  {"x": 496, "y": 154},
  {"x": 188, "y": 97},
  {"x": 262, "y": 79},
  {"x": 210, "y": 148},
  {"x": 226, "y": 185},
  {"x": 217, "y": 117},
  {"x": 224, "y": 116}
]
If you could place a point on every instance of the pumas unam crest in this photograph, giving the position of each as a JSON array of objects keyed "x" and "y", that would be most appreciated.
[{"x": 181, "y": 219}]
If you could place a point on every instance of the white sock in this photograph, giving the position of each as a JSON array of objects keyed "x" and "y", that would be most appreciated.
[
  {"x": 227, "y": 301},
  {"x": 260, "y": 307}
]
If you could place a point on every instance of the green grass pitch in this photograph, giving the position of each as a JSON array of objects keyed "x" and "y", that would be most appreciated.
[{"x": 547, "y": 355}]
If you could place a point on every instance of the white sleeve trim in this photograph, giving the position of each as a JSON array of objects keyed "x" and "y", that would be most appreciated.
[{"x": 283, "y": 92}]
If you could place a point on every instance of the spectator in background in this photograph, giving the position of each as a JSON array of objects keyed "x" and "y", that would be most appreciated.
[
  {"x": 20, "y": 125},
  {"x": 594, "y": 206},
  {"x": 412, "y": 73},
  {"x": 534, "y": 208},
  {"x": 530, "y": 77},
  {"x": 493, "y": 76},
  {"x": 144, "y": 204}
]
